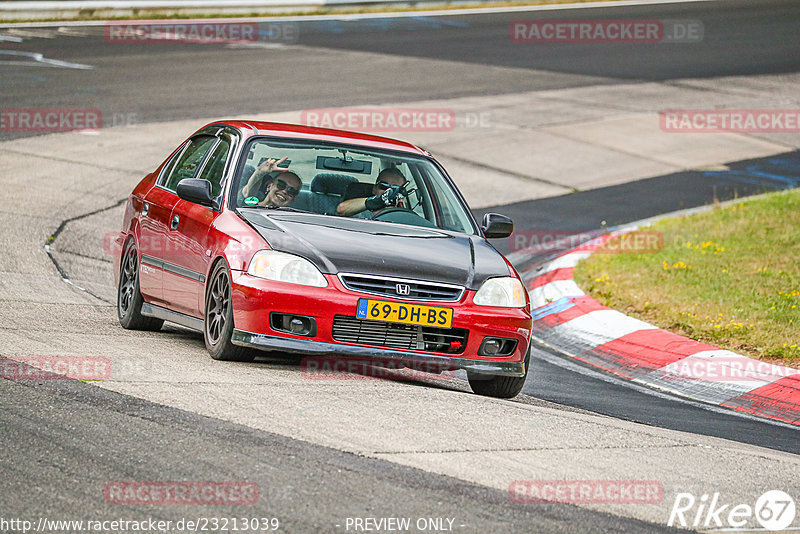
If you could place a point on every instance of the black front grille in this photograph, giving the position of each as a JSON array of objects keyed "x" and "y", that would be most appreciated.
[
  {"x": 404, "y": 289},
  {"x": 399, "y": 336}
]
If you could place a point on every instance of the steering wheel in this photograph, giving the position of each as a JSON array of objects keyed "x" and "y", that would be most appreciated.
[
  {"x": 392, "y": 209},
  {"x": 396, "y": 214}
]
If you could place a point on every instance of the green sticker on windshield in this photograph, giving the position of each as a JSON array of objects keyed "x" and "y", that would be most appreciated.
[{"x": 251, "y": 200}]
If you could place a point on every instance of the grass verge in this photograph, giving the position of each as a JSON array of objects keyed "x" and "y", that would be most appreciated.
[{"x": 729, "y": 277}]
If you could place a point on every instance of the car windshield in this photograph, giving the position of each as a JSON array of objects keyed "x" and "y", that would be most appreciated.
[{"x": 321, "y": 177}]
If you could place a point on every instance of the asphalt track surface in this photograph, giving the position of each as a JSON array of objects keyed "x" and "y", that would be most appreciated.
[
  {"x": 127, "y": 438},
  {"x": 82, "y": 437},
  {"x": 737, "y": 40},
  {"x": 162, "y": 82}
]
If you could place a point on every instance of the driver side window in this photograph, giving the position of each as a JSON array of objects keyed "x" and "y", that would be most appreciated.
[{"x": 190, "y": 161}]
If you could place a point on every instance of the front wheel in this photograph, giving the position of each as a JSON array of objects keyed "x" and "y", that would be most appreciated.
[
  {"x": 501, "y": 387},
  {"x": 218, "y": 324}
]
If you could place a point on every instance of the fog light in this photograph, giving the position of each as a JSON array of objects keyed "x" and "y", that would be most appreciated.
[
  {"x": 299, "y": 325},
  {"x": 491, "y": 347},
  {"x": 497, "y": 346}
]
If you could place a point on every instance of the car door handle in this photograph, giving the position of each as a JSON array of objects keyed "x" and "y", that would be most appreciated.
[
  {"x": 145, "y": 209},
  {"x": 175, "y": 221}
]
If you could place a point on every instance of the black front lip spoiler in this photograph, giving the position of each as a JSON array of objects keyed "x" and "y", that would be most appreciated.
[{"x": 320, "y": 348}]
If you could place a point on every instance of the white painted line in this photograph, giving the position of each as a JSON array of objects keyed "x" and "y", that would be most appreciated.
[
  {"x": 702, "y": 390},
  {"x": 38, "y": 60},
  {"x": 34, "y": 33},
  {"x": 73, "y": 32},
  {"x": 271, "y": 46}
]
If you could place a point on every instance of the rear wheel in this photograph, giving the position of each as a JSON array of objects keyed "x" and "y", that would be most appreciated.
[
  {"x": 218, "y": 323},
  {"x": 129, "y": 298},
  {"x": 502, "y": 387}
]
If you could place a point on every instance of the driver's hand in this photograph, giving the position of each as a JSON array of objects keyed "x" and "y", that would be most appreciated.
[{"x": 391, "y": 197}]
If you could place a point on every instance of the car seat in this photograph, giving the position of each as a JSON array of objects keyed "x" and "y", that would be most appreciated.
[{"x": 327, "y": 191}]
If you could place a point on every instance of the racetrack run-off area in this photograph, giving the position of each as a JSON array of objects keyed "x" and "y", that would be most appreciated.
[{"x": 559, "y": 138}]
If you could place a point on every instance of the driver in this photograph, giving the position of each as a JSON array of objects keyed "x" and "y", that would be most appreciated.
[
  {"x": 385, "y": 193},
  {"x": 279, "y": 192}
]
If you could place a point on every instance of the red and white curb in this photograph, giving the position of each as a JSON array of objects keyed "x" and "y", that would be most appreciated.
[{"x": 575, "y": 324}]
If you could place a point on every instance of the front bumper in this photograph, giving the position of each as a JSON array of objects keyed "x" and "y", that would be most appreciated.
[
  {"x": 320, "y": 348},
  {"x": 255, "y": 298}
]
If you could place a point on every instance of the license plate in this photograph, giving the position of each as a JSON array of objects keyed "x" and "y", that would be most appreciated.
[{"x": 400, "y": 312}]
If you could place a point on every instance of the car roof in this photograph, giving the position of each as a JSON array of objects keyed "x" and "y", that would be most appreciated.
[{"x": 298, "y": 131}]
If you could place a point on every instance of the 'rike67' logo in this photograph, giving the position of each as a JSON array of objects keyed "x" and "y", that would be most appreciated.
[{"x": 774, "y": 510}]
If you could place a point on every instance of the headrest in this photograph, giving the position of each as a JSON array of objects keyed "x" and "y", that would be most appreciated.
[
  {"x": 331, "y": 183},
  {"x": 358, "y": 190}
]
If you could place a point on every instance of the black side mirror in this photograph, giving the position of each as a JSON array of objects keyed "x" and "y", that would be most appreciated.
[
  {"x": 496, "y": 225},
  {"x": 196, "y": 190}
]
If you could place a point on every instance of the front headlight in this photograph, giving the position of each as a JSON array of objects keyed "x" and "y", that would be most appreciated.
[
  {"x": 506, "y": 292},
  {"x": 283, "y": 267}
]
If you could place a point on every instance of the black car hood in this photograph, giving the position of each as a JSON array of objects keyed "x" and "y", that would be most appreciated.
[{"x": 346, "y": 245}]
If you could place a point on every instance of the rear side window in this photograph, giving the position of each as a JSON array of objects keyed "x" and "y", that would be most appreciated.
[
  {"x": 190, "y": 161},
  {"x": 215, "y": 166}
]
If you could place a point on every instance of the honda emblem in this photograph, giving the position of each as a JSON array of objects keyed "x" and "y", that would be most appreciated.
[{"x": 403, "y": 289}]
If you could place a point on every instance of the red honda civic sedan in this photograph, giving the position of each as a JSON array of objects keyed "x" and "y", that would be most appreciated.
[{"x": 322, "y": 242}]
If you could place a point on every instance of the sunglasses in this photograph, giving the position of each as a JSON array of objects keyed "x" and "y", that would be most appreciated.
[
  {"x": 281, "y": 185},
  {"x": 383, "y": 185}
]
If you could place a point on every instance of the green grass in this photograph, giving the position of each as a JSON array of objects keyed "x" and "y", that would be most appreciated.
[{"x": 729, "y": 277}]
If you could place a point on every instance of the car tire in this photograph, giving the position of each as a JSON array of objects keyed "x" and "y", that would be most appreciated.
[
  {"x": 501, "y": 387},
  {"x": 218, "y": 320},
  {"x": 129, "y": 298}
]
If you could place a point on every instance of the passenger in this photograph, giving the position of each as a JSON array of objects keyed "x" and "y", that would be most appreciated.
[
  {"x": 272, "y": 193},
  {"x": 386, "y": 192}
]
